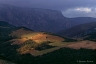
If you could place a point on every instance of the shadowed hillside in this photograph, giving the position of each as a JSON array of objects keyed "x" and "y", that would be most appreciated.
[
  {"x": 78, "y": 30},
  {"x": 4, "y": 60},
  {"x": 33, "y": 18}
]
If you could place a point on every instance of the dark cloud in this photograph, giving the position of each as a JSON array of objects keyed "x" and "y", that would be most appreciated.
[{"x": 62, "y": 5}]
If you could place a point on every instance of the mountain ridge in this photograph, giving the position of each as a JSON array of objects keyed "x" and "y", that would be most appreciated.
[
  {"x": 34, "y": 18},
  {"x": 39, "y": 19}
]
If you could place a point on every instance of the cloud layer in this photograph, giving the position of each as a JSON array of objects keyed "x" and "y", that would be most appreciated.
[{"x": 70, "y": 8}]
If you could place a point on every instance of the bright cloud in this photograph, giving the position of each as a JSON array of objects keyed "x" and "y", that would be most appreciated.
[
  {"x": 80, "y": 12},
  {"x": 83, "y": 9}
]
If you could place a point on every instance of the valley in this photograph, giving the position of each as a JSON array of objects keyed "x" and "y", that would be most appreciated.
[
  {"x": 24, "y": 43},
  {"x": 44, "y": 36}
]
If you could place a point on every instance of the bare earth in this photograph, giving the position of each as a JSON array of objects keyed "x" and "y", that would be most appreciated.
[{"x": 83, "y": 44}]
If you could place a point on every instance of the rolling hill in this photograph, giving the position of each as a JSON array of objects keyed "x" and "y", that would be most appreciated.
[
  {"x": 78, "y": 30},
  {"x": 89, "y": 35},
  {"x": 30, "y": 40},
  {"x": 5, "y": 30},
  {"x": 21, "y": 38}
]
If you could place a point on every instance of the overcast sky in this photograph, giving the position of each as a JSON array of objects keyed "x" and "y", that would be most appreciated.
[{"x": 69, "y": 8}]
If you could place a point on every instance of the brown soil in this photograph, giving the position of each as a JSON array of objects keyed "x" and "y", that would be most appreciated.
[{"x": 83, "y": 44}]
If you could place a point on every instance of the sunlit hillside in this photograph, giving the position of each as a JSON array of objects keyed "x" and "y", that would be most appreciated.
[
  {"x": 23, "y": 35},
  {"x": 30, "y": 41}
]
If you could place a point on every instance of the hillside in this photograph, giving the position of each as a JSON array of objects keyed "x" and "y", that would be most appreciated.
[
  {"x": 32, "y": 41},
  {"x": 78, "y": 30},
  {"x": 4, "y": 60},
  {"x": 27, "y": 39},
  {"x": 5, "y": 30},
  {"x": 33, "y": 18},
  {"x": 89, "y": 36}
]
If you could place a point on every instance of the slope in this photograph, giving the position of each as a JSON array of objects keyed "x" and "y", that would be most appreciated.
[
  {"x": 78, "y": 30},
  {"x": 5, "y": 29},
  {"x": 33, "y": 18},
  {"x": 89, "y": 35}
]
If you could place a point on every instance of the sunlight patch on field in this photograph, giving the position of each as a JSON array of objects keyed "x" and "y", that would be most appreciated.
[{"x": 38, "y": 37}]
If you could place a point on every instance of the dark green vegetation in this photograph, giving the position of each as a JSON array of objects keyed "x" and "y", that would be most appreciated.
[
  {"x": 5, "y": 30},
  {"x": 61, "y": 56},
  {"x": 69, "y": 40},
  {"x": 91, "y": 36},
  {"x": 30, "y": 44},
  {"x": 3, "y": 58}
]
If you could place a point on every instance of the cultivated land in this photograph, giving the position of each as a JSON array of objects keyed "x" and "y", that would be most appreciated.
[
  {"x": 83, "y": 44},
  {"x": 23, "y": 35},
  {"x": 40, "y": 37}
]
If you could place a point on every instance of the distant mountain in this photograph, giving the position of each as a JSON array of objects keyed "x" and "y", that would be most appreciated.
[
  {"x": 34, "y": 18},
  {"x": 39, "y": 19},
  {"x": 78, "y": 30},
  {"x": 81, "y": 20}
]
